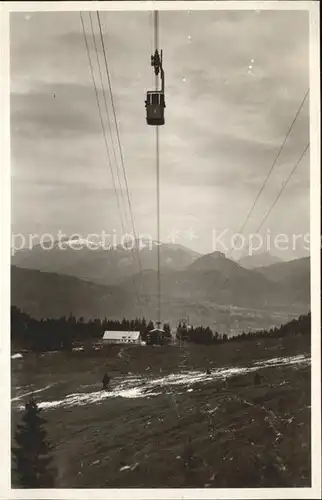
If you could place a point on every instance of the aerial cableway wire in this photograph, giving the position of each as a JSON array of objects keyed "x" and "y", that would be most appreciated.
[
  {"x": 104, "y": 135},
  {"x": 151, "y": 21},
  {"x": 242, "y": 227},
  {"x": 112, "y": 141},
  {"x": 280, "y": 192},
  {"x": 121, "y": 157},
  {"x": 277, "y": 198},
  {"x": 101, "y": 118},
  {"x": 157, "y": 151},
  {"x": 108, "y": 117},
  {"x": 283, "y": 188},
  {"x": 156, "y": 47}
]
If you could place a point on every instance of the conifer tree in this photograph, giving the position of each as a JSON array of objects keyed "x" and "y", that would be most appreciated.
[
  {"x": 150, "y": 326},
  {"x": 32, "y": 456},
  {"x": 167, "y": 329}
]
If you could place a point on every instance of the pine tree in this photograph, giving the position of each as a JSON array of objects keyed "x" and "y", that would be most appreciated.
[
  {"x": 150, "y": 326},
  {"x": 32, "y": 454},
  {"x": 167, "y": 329}
]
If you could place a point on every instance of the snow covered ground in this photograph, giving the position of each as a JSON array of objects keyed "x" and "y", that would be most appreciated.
[
  {"x": 17, "y": 356},
  {"x": 145, "y": 387}
]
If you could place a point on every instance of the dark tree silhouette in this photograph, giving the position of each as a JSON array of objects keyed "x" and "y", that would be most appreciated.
[
  {"x": 150, "y": 326},
  {"x": 32, "y": 455},
  {"x": 167, "y": 330},
  {"x": 204, "y": 335},
  {"x": 60, "y": 333}
]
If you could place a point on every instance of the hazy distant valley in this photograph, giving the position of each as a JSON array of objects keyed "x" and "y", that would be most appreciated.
[{"x": 209, "y": 289}]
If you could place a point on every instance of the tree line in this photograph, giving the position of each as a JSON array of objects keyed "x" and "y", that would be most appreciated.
[
  {"x": 204, "y": 335},
  {"x": 53, "y": 334},
  {"x": 61, "y": 333}
]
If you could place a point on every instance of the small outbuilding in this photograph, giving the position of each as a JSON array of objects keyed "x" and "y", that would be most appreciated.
[
  {"x": 116, "y": 337},
  {"x": 156, "y": 337}
]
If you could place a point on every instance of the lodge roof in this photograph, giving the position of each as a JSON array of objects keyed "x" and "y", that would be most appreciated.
[{"x": 121, "y": 335}]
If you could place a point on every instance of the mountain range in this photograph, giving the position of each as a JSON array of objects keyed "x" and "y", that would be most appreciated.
[
  {"x": 103, "y": 266},
  {"x": 210, "y": 289},
  {"x": 259, "y": 259}
]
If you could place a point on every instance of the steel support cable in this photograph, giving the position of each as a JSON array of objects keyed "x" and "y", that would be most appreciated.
[
  {"x": 121, "y": 154},
  {"x": 101, "y": 119},
  {"x": 104, "y": 133},
  {"x": 112, "y": 142},
  {"x": 151, "y": 20},
  {"x": 279, "y": 195},
  {"x": 156, "y": 29},
  {"x": 280, "y": 192},
  {"x": 283, "y": 188},
  {"x": 156, "y": 47},
  {"x": 108, "y": 117},
  {"x": 242, "y": 227},
  {"x": 158, "y": 222}
]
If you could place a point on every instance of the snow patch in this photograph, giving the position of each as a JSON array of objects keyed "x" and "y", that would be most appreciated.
[
  {"x": 299, "y": 359},
  {"x": 134, "y": 386},
  {"x": 17, "y": 356},
  {"x": 125, "y": 467},
  {"x": 82, "y": 399},
  {"x": 31, "y": 393},
  {"x": 131, "y": 467}
]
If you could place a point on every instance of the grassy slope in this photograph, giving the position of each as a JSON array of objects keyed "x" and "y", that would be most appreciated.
[{"x": 241, "y": 435}]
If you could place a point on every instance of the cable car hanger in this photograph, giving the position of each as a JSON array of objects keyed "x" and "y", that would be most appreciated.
[{"x": 155, "y": 102}]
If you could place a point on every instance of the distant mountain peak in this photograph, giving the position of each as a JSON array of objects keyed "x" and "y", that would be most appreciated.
[
  {"x": 215, "y": 261},
  {"x": 106, "y": 264},
  {"x": 259, "y": 259},
  {"x": 218, "y": 255}
]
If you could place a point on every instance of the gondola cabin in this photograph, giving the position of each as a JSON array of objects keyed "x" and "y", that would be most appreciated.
[{"x": 155, "y": 104}]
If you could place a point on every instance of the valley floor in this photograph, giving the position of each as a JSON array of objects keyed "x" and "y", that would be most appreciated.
[{"x": 165, "y": 423}]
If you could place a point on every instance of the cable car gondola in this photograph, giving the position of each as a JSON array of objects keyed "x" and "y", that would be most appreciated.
[
  {"x": 155, "y": 107},
  {"x": 155, "y": 101}
]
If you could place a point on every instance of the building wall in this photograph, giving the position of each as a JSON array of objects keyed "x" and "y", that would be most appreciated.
[{"x": 119, "y": 341}]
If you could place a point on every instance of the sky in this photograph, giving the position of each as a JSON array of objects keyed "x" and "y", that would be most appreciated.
[{"x": 234, "y": 82}]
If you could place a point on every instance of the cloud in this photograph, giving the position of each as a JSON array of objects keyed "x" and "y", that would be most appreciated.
[
  {"x": 234, "y": 81},
  {"x": 49, "y": 112}
]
